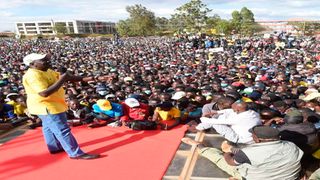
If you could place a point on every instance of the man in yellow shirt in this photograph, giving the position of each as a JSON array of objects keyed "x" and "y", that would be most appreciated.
[
  {"x": 166, "y": 115},
  {"x": 45, "y": 98}
]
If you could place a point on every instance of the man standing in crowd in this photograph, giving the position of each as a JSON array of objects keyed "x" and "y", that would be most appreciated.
[{"x": 46, "y": 100}]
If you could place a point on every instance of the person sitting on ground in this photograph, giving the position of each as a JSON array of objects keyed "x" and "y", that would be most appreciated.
[
  {"x": 135, "y": 115},
  {"x": 166, "y": 115},
  {"x": 78, "y": 114},
  {"x": 269, "y": 117},
  {"x": 210, "y": 108},
  {"x": 106, "y": 112},
  {"x": 222, "y": 103},
  {"x": 6, "y": 113},
  {"x": 33, "y": 119},
  {"x": 152, "y": 103},
  {"x": 268, "y": 158},
  {"x": 19, "y": 109},
  {"x": 210, "y": 111},
  {"x": 303, "y": 134},
  {"x": 234, "y": 123},
  {"x": 192, "y": 112},
  {"x": 11, "y": 99}
]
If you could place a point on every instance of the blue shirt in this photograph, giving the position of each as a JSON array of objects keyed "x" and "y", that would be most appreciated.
[
  {"x": 208, "y": 44},
  {"x": 193, "y": 114},
  {"x": 6, "y": 112},
  {"x": 116, "y": 110}
]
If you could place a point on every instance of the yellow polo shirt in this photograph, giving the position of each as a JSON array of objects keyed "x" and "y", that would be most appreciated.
[
  {"x": 18, "y": 109},
  {"x": 36, "y": 81},
  {"x": 168, "y": 115}
]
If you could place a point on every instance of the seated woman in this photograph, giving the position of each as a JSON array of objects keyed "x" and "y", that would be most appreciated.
[{"x": 166, "y": 115}]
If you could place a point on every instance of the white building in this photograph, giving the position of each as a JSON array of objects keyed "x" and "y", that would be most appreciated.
[
  {"x": 72, "y": 27},
  {"x": 282, "y": 25}
]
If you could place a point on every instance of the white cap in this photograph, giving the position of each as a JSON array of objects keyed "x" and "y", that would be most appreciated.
[
  {"x": 178, "y": 95},
  {"x": 9, "y": 95},
  {"x": 312, "y": 96},
  {"x": 110, "y": 96},
  {"x": 32, "y": 57},
  {"x": 132, "y": 102},
  {"x": 127, "y": 79}
]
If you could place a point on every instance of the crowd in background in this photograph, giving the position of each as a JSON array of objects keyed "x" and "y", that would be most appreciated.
[{"x": 177, "y": 80}]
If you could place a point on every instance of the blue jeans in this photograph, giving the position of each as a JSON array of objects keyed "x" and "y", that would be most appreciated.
[{"x": 58, "y": 136}]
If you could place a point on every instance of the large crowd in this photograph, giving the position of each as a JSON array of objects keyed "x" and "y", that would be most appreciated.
[{"x": 235, "y": 86}]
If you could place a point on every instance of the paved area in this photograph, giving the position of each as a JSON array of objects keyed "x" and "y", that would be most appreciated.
[{"x": 188, "y": 165}]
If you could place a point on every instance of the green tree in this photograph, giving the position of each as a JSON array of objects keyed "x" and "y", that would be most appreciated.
[
  {"x": 224, "y": 27},
  {"x": 60, "y": 28},
  {"x": 123, "y": 28},
  {"x": 141, "y": 21},
  {"x": 212, "y": 21},
  {"x": 175, "y": 24},
  {"x": 243, "y": 22},
  {"x": 192, "y": 15},
  {"x": 246, "y": 15},
  {"x": 236, "y": 21},
  {"x": 162, "y": 25},
  {"x": 247, "y": 21}
]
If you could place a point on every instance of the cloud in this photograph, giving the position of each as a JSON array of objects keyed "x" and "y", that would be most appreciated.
[
  {"x": 299, "y": 3},
  {"x": 5, "y": 13},
  {"x": 5, "y": 4}
]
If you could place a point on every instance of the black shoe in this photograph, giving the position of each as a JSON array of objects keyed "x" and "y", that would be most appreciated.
[
  {"x": 87, "y": 156},
  {"x": 55, "y": 152}
]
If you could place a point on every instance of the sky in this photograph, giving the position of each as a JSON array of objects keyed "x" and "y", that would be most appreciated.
[{"x": 12, "y": 11}]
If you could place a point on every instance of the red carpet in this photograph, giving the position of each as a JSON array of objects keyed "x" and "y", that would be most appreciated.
[{"x": 126, "y": 154}]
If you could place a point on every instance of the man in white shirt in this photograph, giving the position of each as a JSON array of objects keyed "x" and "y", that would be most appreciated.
[{"x": 233, "y": 123}]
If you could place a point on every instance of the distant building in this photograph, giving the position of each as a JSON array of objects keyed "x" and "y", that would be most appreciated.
[
  {"x": 281, "y": 25},
  {"x": 72, "y": 27},
  {"x": 7, "y": 34}
]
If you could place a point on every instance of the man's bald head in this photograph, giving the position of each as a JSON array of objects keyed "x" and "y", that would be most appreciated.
[
  {"x": 225, "y": 102},
  {"x": 239, "y": 107}
]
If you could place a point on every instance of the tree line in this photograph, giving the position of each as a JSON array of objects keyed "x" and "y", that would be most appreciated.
[{"x": 192, "y": 17}]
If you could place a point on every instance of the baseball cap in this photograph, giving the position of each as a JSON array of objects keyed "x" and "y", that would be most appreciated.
[
  {"x": 312, "y": 96},
  {"x": 293, "y": 117},
  {"x": 110, "y": 96},
  {"x": 265, "y": 132},
  {"x": 127, "y": 79},
  {"x": 28, "y": 59},
  {"x": 259, "y": 86},
  {"x": 178, "y": 95},
  {"x": 132, "y": 102},
  {"x": 104, "y": 104}
]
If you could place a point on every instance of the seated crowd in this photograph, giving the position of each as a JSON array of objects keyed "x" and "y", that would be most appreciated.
[{"x": 262, "y": 99}]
